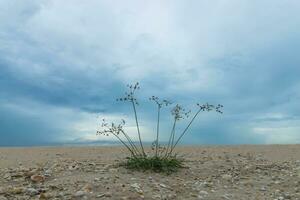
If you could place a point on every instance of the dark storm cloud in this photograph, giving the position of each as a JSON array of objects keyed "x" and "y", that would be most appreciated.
[{"x": 63, "y": 62}]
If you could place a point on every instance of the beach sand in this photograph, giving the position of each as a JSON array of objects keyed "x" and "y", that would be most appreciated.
[{"x": 212, "y": 172}]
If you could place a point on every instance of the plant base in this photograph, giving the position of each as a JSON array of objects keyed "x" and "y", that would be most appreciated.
[{"x": 156, "y": 164}]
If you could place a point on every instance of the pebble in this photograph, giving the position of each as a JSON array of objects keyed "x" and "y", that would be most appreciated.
[
  {"x": 287, "y": 196},
  {"x": 226, "y": 177},
  {"x": 135, "y": 185},
  {"x": 113, "y": 170},
  {"x": 225, "y": 196},
  {"x": 73, "y": 167},
  {"x": 44, "y": 196},
  {"x": 263, "y": 189},
  {"x": 108, "y": 194},
  {"x": 163, "y": 185},
  {"x": 48, "y": 173},
  {"x": 37, "y": 178},
  {"x": 137, "y": 188},
  {"x": 87, "y": 188},
  {"x": 2, "y": 190},
  {"x": 17, "y": 190},
  {"x": 79, "y": 193},
  {"x": 100, "y": 195},
  {"x": 32, "y": 191},
  {"x": 7, "y": 176},
  {"x": 202, "y": 192}
]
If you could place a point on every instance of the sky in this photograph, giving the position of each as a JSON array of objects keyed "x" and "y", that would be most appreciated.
[{"x": 63, "y": 64}]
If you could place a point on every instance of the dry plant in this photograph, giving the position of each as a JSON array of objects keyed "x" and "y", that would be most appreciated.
[{"x": 164, "y": 159}]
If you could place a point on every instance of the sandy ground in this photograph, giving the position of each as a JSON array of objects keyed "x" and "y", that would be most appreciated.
[{"x": 222, "y": 172}]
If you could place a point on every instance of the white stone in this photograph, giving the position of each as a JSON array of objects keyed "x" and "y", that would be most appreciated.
[
  {"x": 227, "y": 177},
  {"x": 202, "y": 192},
  {"x": 32, "y": 191},
  {"x": 79, "y": 193}
]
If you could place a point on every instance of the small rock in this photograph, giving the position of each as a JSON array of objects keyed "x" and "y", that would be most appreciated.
[
  {"x": 226, "y": 196},
  {"x": 37, "y": 178},
  {"x": 29, "y": 173},
  {"x": 135, "y": 185},
  {"x": 108, "y": 194},
  {"x": 73, "y": 167},
  {"x": 113, "y": 170},
  {"x": 263, "y": 189},
  {"x": 2, "y": 190},
  {"x": 287, "y": 196},
  {"x": 171, "y": 196},
  {"x": 156, "y": 196},
  {"x": 32, "y": 191},
  {"x": 92, "y": 164},
  {"x": 100, "y": 195},
  {"x": 227, "y": 177},
  {"x": 202, "y": 192},
  {"x": 137, "y": 188},
  {"x": 3, "y": 198},
  {"x": 194, "y": 195},
  {"x": 106, "y": 167},
  {"x": 44, "y": 196},
  {"x": 7, "y": 176},
  {"x": 163, "y": 185},
  {"x": 79, "y": 193},
  {"x": 17, "y": 190},
  {"x": 48, "y": 173},
  {"x": 87, "y": 188},
  {"x": 60, "y": 194}
]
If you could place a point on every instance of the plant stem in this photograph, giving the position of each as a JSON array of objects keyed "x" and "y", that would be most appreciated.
[
  {"x": 173, "y": 136},
  {"x": 169, "y": 143},
  {"x": 138, "y": 128},
  {"x": 132, "y": 153},
  {"x": 157, "y": 132},
  {"x": 134, "y": 148},
  {"x": 185, "y": 129}
]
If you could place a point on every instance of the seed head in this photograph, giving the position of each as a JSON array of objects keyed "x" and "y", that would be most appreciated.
[
  {"x": 160, "y": 103},
  {"x": 179, "y": 112}
]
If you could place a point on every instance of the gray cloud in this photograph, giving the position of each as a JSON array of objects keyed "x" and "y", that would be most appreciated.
[{"x": 77, "y": 56}]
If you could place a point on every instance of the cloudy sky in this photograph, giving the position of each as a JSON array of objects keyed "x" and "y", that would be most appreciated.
[{"x": 63, "y": 64}]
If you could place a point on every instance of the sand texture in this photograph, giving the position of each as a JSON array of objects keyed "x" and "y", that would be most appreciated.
[{"x": 221, "y": 172}]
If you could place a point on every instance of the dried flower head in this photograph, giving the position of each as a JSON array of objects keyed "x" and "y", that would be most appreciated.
[
  {"x": 179, "y": 112},
  {"x": 111, "y": 128},
  {"x": 219, "y": 106},
  {"x": 129, "y": 96},
  {"x": 208, "y": 107},
  {"x": 159, "y": 102}
]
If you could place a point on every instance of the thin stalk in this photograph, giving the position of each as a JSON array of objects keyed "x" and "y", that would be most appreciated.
[
  {"x": 185, "y": 130},
  {"x": 133, "y": 147},
  {"x": 169, "y": 143},
  {"x": 157, "y": 131},
  {"x": 132, "y": 153},
  {"x": 138, "y": 128},
  {"x": 173, "y": 136}
]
